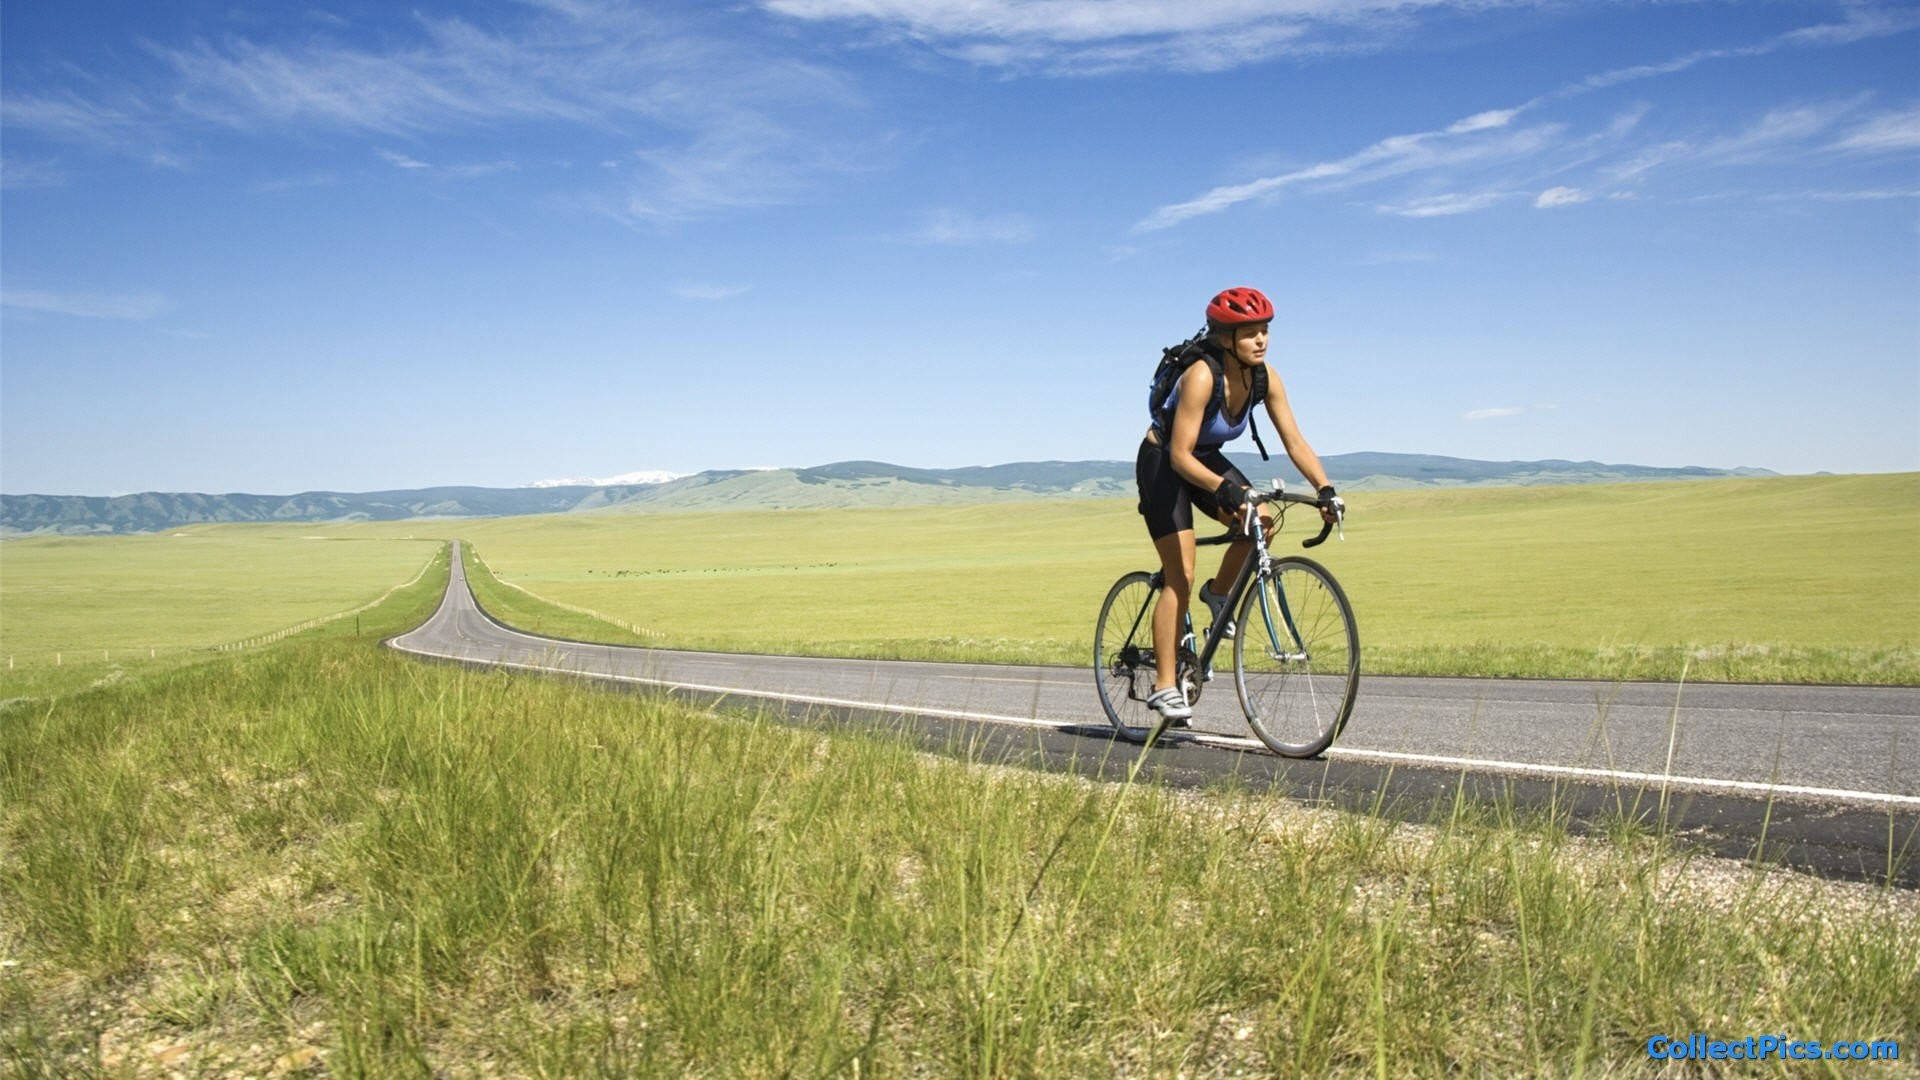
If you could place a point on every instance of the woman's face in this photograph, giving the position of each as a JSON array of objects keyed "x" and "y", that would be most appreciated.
[{"x": 1250, "y": 344}]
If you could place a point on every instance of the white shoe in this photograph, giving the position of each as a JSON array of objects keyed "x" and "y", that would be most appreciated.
[
  {"x": 1171, "y": 704},
  {"x": 1217, "y": 605}
]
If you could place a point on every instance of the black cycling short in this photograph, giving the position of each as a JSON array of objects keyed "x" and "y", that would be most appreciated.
[{"x": 1166, "y": 499}]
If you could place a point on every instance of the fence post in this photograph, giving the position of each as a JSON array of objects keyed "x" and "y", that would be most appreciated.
[{"x": 56, "y": 659}]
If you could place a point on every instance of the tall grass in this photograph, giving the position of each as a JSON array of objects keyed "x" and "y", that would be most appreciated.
[{"x": 327, "y": 854}]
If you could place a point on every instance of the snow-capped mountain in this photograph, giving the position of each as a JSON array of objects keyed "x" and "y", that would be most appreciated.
[{"x": 644, "y": 476}]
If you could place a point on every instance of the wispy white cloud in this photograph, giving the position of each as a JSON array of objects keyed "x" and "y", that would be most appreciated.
[
  {"x": 1091, "y": 37},
  {"x": 1790, "y": 132},
  {"x": 1646, "y": 159},
  {"x": 1886, "y": 132},
  {"x": 1560, "y": 196},
  {"x": 1789, "y": 126},
  {"x": 1861, "y": 23},
  {"x": 1085, "y": 37},
  {"x": 77, "y": 119},
  {"x": 1472, "y": 415},
  {"x": 960, "y": 229},
  {"x": 711, "y": 292},
  {"x": 708, "y": 132},
  {"x": 1492, "y": 118},
  {"x": 1445, "y": 205},
  {"x": 746, "y": 162},
  {"x": 465, "y": 172},
  {"x": 1484, "y": 137},
  {"x": 402, "y": 161},
  {"x": 15, "y": 173},
  {"x": 1475, "y": 139},
  {"x": 134, "y": 307},
  {"x": 1820, "y": 196}
]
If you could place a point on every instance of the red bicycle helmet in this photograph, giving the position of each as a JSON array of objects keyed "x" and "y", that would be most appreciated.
[{"x": 1238, "y": 307}]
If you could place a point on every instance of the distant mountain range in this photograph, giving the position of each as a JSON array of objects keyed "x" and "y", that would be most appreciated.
[{"x": 845, "y": 483}]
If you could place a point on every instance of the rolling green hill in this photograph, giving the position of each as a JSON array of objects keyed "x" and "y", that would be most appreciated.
[{"x": 842, "y": 484}]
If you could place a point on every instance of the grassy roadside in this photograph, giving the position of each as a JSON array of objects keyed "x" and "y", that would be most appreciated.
[
  {"x": 85, "y": 611},
  {"x": 328, "y": 856},
  {"x": 1795, "y": 579},
  {"x": 522, "y": 610}
]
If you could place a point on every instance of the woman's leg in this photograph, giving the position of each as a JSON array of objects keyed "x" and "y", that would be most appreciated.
[
  {"x": 1176, "y": 563},
  {"x": 1236, "y": 554}
]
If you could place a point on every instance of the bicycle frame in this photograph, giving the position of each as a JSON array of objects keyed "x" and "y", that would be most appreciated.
[{"x": 1259, "y": 564}]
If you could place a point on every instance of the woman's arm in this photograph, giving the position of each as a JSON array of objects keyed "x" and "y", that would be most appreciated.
[
  {"x": 1196, "y": 389},
  {"x": 1281, "y": 413}
]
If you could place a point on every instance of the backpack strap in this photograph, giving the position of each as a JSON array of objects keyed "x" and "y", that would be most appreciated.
[
  {"x": 1258, "y": 395},
  {"x": 1191, "y": 352}
]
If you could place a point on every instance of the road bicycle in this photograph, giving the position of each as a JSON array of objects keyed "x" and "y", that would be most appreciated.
[{"x": 1296, "y": 651}]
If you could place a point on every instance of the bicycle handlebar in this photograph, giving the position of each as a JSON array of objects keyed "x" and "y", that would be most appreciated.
[
  {"x": 1258, "y": 498},
  {"x": 1326, "y": 529}
]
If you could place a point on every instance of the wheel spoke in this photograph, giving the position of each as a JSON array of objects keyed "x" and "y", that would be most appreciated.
[
  {"x": 1123, "y": 655},
  {"x": 1298, "y": 684}
]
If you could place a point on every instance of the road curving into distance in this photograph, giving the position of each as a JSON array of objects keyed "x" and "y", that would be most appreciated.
[{"x": 1828, "y": 775}]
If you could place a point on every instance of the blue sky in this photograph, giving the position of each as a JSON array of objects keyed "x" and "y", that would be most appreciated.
[{"x": 357, "y": 246}]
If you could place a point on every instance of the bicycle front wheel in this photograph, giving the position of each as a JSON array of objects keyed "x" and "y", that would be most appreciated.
[
  {"x": 1123, "y": 655},
  {"x": 1296, "y": 658}
]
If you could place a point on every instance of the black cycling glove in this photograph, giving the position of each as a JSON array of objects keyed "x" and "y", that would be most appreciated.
[
  {"x": 1332, "y": 501},
  {"x": 1231, "y": 495}
]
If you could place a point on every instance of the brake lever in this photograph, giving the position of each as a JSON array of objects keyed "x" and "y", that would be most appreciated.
[{"x": 1338, "y": 522}]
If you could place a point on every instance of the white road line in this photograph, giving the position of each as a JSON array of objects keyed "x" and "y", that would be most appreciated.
[
  {"x": 1655, "y": 706},
  {"x": 1744, "y": 786},
  {"x": 1237, "y": 743}
]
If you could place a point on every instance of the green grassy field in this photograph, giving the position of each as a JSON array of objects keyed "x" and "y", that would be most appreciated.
[
  {"x": 1782, "y": 579},
  {"x": 1789, "y": 579},
  {"x": 320, "y": 856},
  {"x": 74, "y": 610}
]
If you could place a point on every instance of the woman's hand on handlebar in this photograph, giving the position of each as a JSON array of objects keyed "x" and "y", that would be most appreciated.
[
  {"x": 1333, "y": 509},
  {"x": 1231, "y": 496}
]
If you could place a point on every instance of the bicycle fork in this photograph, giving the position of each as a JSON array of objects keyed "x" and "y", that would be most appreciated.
[{"x": 1263, "y": 573}]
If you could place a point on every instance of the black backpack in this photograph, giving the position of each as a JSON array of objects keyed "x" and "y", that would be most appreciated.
[{"x": 1174, "y": 362}]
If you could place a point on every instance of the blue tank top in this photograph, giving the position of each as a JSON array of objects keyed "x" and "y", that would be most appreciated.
[{"x": 1215, "y": 428}]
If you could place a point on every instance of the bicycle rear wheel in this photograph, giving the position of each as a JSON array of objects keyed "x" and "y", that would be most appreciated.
[
  {"x": 1296, "y": 658},
  {"x": 1123, "y": 656}
]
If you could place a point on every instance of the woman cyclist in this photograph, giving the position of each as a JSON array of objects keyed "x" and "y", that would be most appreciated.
[{"x": 1180, "y": 466}]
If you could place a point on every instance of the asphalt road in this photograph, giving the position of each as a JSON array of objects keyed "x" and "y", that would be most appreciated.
[{"x": 1827, "y": 773}]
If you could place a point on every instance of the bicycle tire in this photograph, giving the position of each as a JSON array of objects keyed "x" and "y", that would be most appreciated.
[
  {"x": 1298, "y": 678},
  {"x": 1123, "y": 659}
]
